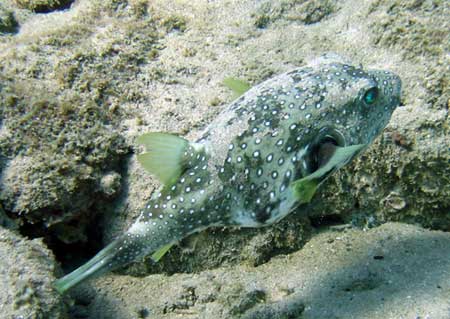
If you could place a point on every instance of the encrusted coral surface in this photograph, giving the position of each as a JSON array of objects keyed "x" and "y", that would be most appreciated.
[{"x": 78, "y": 84}]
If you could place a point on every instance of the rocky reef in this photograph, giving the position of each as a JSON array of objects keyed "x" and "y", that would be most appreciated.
[
  {"x": 27, "y": 270},
  {"x": 80, "y": 80}
]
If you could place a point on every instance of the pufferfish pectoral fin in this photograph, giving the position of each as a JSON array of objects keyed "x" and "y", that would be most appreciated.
[
  {"x": 167, "y": 156},
  {"x": 157, "y": 255},
  {"x": 305, "y": 188}
]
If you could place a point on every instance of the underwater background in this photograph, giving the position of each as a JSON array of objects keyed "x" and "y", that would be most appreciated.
[{"x": 81, "y": 80}]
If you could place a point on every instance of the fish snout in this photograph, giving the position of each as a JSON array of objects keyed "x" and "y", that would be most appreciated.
[
  {"x": 396, "y": 83},
  {"x": 390, "y": 85}
]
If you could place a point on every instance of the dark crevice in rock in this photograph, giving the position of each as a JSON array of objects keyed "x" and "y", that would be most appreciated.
[
  {"x": 87, "y": 229},
  {"x": 6, "y": 220},
  {"x": 47, "y": 7},
  {"x": 8, "y": 22},
  {"x": 327, "y": 220},
  {"x": 75, "y": 254},
  {"x": 86, "y": 243}
]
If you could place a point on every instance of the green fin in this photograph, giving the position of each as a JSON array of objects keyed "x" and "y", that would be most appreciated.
[
  {"x": 238, "y": 86},
  {"x": 164, "y": 157},
  {"x": 305, "y": 188},
  {"x": 157, "y": 255}
]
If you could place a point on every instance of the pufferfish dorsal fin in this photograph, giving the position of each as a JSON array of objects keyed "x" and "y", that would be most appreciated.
[
  {"x": 305, "y": 188},
  {"x": 236, "y": 85},
  {"x": 167, "y": 156}
]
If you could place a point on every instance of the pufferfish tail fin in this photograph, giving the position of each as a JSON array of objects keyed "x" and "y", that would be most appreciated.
[
  {"x": 167, "y": 156},
  {"x": 105, "y": 260}
]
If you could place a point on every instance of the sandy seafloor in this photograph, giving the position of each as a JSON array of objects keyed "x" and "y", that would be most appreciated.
[{"x": 79, "y": 81}]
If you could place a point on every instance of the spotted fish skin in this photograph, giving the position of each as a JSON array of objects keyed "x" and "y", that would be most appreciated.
[
  {"x": 241, "y": 170},
  {"x": 267, "y": 133}
]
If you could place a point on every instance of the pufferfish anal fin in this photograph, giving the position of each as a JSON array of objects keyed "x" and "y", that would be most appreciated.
[
  {"x": 305, "y": 188},
  {"x": 167, "y": 156},
  {"x": 157, "y": 255}
]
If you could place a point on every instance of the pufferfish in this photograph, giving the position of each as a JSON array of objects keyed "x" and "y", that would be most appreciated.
[{"x": 261, "y": 158}]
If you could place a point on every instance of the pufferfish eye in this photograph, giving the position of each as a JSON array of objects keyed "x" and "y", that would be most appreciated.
[{"x": 370, "y": 96}]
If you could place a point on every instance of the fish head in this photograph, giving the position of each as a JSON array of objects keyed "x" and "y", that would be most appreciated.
[
  {"x": 354, "y": 108},
  {"x": 367, "y": 101}
]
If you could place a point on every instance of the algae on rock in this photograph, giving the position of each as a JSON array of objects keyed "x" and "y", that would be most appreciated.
[
  {"x": 77, "y": 87},
  {"x": 63, "y": 98},
  {"x": 8, "y": 22},
  {"x": 43, "y": 6}
]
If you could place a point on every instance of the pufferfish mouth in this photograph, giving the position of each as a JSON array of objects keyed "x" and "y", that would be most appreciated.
[{"x": 322, "y": 149}]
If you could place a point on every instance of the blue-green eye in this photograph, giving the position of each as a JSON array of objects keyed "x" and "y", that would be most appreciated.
[{"x": 370, "y": 96}]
